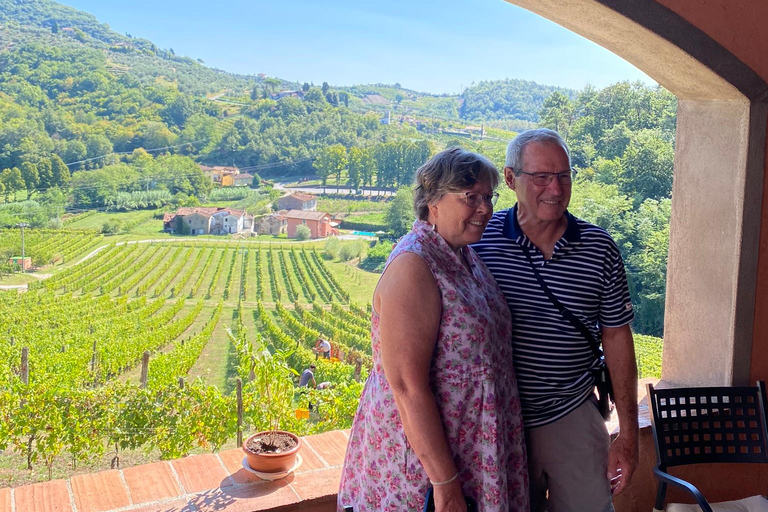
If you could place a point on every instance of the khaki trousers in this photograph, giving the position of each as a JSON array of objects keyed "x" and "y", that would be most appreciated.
[{"x": 569, "y": 458}]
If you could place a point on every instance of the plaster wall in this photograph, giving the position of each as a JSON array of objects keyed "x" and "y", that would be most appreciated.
[
  {"x": 612, "y": 25},
  {"x": 739, "y": 26},
  {"x": 759, "y": 355},
  {"x": 705, "y": 242}
]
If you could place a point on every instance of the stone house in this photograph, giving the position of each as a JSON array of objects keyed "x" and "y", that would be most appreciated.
[
  {"x": 273, "y": 224},
  {"x": 297, "y": 201}
]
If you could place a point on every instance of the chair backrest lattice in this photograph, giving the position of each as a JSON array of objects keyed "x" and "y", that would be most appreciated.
[{"x": 708, "y": 425}]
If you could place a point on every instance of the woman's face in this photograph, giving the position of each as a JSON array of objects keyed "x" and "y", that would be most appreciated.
[{"x": 456, "y": 221}]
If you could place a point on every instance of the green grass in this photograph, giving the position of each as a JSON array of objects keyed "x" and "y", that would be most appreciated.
[
  {"x": 337, "y": 206},
  {"x": 18, "y": 278},
  {"x": 215, "y": 364},
  {"x": 137, "y": 217},
  {"x": 368, "y": 218},
  {"x": 358, "y": 283}
]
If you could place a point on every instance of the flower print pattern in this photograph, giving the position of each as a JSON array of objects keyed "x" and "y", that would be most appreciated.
[{"x": 475, "y": 389}]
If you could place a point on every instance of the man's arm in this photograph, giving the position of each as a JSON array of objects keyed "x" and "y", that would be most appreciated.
[{"x": 619, "y": 350}]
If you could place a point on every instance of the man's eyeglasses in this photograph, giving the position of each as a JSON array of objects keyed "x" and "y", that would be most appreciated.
[
  {"x": 474, "y": 199},
  {"x": 542, "y": 179}
]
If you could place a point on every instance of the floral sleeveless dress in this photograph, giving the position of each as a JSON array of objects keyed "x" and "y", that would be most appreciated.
[{"x": 475, "y": 389}]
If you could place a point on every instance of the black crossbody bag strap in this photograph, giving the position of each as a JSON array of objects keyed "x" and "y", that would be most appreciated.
[
  {"x": 602, "y": 377},
  {"x": 578, "y": 324}
]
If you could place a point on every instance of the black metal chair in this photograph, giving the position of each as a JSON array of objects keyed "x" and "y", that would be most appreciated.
[{"x": 706, "y": 425}]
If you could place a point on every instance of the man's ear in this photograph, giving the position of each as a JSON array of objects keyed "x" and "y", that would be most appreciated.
[{"x": 509, "y": 177}]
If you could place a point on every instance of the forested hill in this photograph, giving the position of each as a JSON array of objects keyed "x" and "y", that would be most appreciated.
[
  {"x": 53, "y": 24},
  {"x": 509, "y": 99}
]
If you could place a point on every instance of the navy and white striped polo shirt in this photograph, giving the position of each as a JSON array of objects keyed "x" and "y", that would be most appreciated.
[{"x": 586, "y": 274}]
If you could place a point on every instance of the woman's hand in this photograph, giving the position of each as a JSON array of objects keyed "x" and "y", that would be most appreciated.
[{"x": 449, "y": 498}]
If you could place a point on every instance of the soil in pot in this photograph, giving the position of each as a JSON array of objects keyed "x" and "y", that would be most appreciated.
[{"x": 271, "y": 442}]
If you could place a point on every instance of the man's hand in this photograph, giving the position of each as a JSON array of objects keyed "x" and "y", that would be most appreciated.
[{"x": 622, "y": 462}]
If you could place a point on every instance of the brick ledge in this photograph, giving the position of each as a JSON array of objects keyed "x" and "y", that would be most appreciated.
[{"x": 200, "y": 483}]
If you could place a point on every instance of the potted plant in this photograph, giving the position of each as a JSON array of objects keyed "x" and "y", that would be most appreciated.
[{"x": 271, "y": 451}]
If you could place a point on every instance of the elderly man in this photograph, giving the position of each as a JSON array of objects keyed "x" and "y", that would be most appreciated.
[{"x": 572, "y": 465}]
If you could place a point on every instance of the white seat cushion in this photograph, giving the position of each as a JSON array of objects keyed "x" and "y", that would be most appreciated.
[{"x": 751, "y": 504}]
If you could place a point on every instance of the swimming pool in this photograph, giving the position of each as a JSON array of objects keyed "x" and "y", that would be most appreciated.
[{"x": 363, "y": 233}]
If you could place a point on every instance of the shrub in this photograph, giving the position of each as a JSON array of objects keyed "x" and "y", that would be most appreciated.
[
  {"x": 353, "y": 249},
  {"x": 111, "y": 227},
  {"x": 332, "y": 246},
  {"x": 303, "y": 233}
]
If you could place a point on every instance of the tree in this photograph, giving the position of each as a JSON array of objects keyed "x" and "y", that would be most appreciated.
[
  {"x": 44, "y": 173},
  {"x": 12, "y": 180},
  {"x": 361, "y": 166},
  {"x": 156, "y": 135},
  {"x": 331, "y": 160},
  {"x": 75, "y": 153},
  {"x": 30, "y": 177},
  {"x": 255, "y": 93},
  {"x": 273, "y": 84},
  {"x": 615, "y": 140},
  {"x": 97, "y": 146},
  {"x": 332, "y": 97},
  {"x": 181, "y": 109},
  {"x": 648, "y": 163},
  {"x": 648, "y": 264},
  {"x": 557, "y": 114},
  {"x": 400, "y": 214},
  {"x": 305, "y": 87},
  {"x": 181, "y": 174},
  {"x": 326, "y": 87},
  {"x": 59, "y": 172}
]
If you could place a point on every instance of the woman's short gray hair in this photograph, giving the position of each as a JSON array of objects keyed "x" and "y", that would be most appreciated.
[
  {"x": 517, "y": 145},
  {"x": 452, "y": 170}
]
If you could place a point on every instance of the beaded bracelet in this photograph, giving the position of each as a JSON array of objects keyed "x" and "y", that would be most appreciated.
[{"x": 445, "y": 482}]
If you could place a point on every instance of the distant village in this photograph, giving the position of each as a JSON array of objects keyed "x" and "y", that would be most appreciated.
[{"x": 294, "y": 209}]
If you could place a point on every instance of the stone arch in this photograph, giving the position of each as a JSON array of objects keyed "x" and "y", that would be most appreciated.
[{"x": 718, "y": 183}]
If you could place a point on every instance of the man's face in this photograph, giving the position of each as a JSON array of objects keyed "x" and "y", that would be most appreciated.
[{"x": 540, "y": 203}]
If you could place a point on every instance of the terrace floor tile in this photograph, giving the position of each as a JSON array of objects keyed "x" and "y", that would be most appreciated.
[
  {"x": 98, "y": 492},
  {"x": 331, "y": 446},
  {"x": 151, "y": 482},
  {"x": 43, "y": 497},
  {"x": 200, "y": 473}
]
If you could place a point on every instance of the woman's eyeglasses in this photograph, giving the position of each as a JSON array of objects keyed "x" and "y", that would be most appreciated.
[{"x": 475, "y": 199}]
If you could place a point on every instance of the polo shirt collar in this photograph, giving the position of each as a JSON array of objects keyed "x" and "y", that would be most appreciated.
[{"x": 513, "y": 231}]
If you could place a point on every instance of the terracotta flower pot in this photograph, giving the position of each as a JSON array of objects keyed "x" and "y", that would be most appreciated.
[{"x": 268, "y": 462}]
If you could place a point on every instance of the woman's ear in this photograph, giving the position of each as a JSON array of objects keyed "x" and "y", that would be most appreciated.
[{"x": 432, "y": 210}]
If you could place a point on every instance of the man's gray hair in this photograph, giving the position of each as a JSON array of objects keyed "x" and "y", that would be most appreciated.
[
  {"x": 452, "y": 170},
  {"x": 518, "y": 144}
]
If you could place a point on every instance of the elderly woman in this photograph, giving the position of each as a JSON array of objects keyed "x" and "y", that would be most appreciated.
[{"x": 440, "y": 408}]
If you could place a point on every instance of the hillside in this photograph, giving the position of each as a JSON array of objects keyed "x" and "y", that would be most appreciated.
[
  {"x": 509, "y": 99},
  {"x": 52, "y": 24}
]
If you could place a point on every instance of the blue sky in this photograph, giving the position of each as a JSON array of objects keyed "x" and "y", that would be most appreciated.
[{"x": 427, "y": 45}]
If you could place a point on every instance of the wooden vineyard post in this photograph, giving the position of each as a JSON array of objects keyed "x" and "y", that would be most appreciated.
[
  {"x": 181, "y": 382},
  {"x": 358, "y": 369},
  {"x": 25, "y": 365},
  {"x": 144, "y": 369},
  {"x": 93, "y": 357},
  {"x": 239, "y": 411}
]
